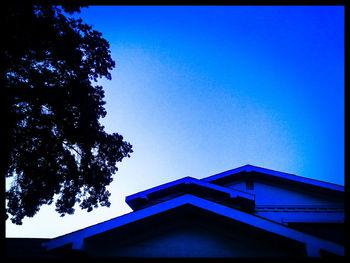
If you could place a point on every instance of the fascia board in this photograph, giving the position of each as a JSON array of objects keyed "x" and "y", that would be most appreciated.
[
  {"x": 279, "y": 229},
  {"x": 292, "y": 177},
  {"x": 233, "y": 192},
  {"x": 226, "y": 173},
  {"x": 190, "y": 180}
]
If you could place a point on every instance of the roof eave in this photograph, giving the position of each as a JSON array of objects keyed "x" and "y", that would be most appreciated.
[
  {"x": 77, "y": 238},
  {"x": 277, "y": 174}
]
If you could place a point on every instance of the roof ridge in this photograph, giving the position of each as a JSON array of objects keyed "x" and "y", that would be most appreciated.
[{"x": 284, "y": 175}]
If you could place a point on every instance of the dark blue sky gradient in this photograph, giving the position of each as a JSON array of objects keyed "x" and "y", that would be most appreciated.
[
  {"x": 283, "y": 62},
  {"x": 200, "y": 90}
]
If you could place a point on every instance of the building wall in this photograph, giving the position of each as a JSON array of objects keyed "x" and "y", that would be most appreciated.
[
  {"x": 267, "y": 193},
  {"x": 198, "y": 241},
  {"x": 334, "y": 232},
  {"x": 26, "y": 248},
  {"x": 312, "y": 212}
]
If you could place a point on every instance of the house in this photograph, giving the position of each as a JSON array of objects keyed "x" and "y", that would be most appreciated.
[{"x": 244, "y": 212}]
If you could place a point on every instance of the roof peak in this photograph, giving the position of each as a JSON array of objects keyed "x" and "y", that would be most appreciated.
[{"x": 283, "y": 175}]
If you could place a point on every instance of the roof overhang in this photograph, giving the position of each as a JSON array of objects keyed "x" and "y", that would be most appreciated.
[
  {"x": 313, "y": 244},
  {"x": 145, "y": 196},
  {"x": 250, "y": 169}
]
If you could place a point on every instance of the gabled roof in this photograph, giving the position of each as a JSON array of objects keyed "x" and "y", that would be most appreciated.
[
  {"x": 275, "y": 174},
  {"x": 215, "y": 186},
  {"x": 313, "y": 244},
  {"x": 133, "y": 200}
]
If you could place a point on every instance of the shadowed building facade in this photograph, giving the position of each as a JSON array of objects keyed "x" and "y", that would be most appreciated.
[{"x": 244, "y": 212}]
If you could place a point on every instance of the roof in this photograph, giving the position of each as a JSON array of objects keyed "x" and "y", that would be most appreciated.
[
  {"x": 77, "y": 238},
  {"x": 214, "y": 185},
  {"x": 132, "y": 200},
  {"x": 276, "y": 174}
]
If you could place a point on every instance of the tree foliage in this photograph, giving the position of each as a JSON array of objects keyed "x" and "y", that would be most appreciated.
[{"x": 54, "y": 144}]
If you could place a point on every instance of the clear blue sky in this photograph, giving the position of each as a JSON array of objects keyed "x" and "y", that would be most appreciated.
[{"x": 200, "y": 90}]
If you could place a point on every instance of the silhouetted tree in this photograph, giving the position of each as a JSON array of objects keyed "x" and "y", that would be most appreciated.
[{"x": 53, "y": 142}]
